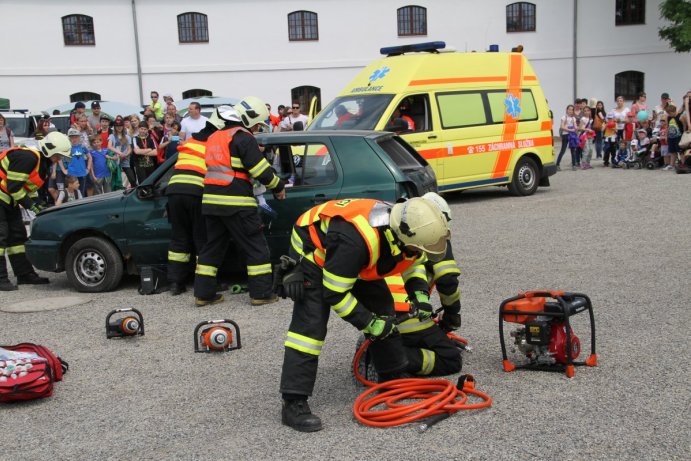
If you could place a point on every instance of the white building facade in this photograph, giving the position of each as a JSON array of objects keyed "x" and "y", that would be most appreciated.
[{"x": 240, "y": 47}]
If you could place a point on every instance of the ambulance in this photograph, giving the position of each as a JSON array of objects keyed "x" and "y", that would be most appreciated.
[{"x": 479, "y": 119}]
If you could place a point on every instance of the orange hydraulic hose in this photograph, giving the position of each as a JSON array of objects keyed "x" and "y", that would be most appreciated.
[{"x": 433, "y": 397}]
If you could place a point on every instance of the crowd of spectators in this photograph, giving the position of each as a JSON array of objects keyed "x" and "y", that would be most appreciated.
[{"x": 641, "y": 135}]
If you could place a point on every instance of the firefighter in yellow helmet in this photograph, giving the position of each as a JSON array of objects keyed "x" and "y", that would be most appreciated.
[
  {"x": 345, "y": 250},
  {"x": 233, "y": 160},
  {"x": 22, "y": 172}
]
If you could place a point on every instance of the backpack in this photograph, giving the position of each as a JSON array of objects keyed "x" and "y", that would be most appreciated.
[
  {"x": 673, "y": 129},
  {"x": 28, "y": 371}
]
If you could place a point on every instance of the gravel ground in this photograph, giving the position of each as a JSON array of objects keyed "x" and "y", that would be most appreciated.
[{"x": 618, "y": 236}]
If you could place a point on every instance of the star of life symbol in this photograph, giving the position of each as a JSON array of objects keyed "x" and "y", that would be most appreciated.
[
  {"x": 513, "y": 106},
  {"x": 378, "y": 74}
]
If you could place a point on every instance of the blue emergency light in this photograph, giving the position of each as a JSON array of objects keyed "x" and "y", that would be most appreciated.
[{"x": 431, "y": 47}]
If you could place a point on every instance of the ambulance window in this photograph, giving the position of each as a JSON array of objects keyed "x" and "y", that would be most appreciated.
[
  {"x": 305, "y": 165},
  {"x": 500, "y": 105},
  {"x": 461, "y": 109},
  {"x": 414, "y": 109},
  {"x": 355, "y": 112}
]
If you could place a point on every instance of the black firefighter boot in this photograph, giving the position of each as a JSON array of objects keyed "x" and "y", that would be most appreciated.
[
  {"x": 5, "y": 284},
  {"x": 21, "y": 265},
  {"x": 297, "y": 414}
]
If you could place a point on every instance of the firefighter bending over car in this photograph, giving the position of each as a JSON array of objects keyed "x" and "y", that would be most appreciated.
[
  {"x": 233, "y": 158},
  {"x": 22, "y": 172},
  {"x": 345, "y": 250},
  {"x": 184, "y": 191}
]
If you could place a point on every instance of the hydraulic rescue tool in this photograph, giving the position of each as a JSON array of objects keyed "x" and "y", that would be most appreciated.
[
  {"x": 122, "y": 323},
  {"x": 217, "y": 336},
  {"x": 546, "y": 337}
]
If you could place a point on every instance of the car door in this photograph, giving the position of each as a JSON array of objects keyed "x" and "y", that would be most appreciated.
[
  {"x": 147, "y": 229},
  {"x": 313, "y": 176}
]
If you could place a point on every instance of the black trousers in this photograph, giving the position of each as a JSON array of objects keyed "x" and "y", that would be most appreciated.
[
  {"x": 131, "y": 176},
  {"x": 246, "y": 228},
  {"x": 309, "y": 325},
  {"x": 12, "y": 238},
  {"x": 430, "y": 352},
  {"x": 188, "y": 235}
]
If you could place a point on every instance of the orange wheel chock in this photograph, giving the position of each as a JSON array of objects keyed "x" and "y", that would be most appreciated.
[
  {"x": 508, "y": 366},
  {"x": 592, "y": 360},
  {"x": 570, "y": 372}
]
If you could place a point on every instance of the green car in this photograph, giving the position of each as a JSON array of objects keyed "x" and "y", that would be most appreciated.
[{"x": 97, "y": 239}]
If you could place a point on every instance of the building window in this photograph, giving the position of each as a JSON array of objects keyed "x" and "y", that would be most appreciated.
[
  {"x": 303, "y": 25},
  {"x": 629, "y": 12},
  {"x": 304, "y": 95},
  {"x": 85, "y": 96},
  {"x": 520, "y": 17},
  {"x": 196, "y": 93},
  {"x": 78, "y": 29},
  {"x": 628, "y": 84},
  {"x": 412, "y": 20},
  {"x": 193, "y": 28}
]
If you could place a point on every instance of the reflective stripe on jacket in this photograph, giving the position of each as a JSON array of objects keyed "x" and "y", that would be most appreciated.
[
  {"x": 31, "y": 180},
  {"x": 219, "y": 163}
]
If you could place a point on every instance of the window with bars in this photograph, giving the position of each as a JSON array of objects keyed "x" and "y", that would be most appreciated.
[
  {"x": 520, "y": 17},
  {"x": 85, "y": 96},
  {"x": 193, "y": 28},
  {"x": 78, "y": 30},
  {"x": 412, "y": 20},
  {"x": 629, "y": 12},
  {"x": 303, "y": 25},
  {"x": 196, "y": 93},
  {"x": 628, "y": 84}
]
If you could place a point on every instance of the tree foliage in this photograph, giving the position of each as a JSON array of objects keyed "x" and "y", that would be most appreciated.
[{"x": 678, "y": 31}]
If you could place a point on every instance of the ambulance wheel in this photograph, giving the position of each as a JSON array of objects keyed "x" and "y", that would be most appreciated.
[
  {"x": 93, "y": 265},
  {"x": 526, "y": 176}
]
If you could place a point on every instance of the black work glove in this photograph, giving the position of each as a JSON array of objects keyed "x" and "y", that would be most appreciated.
[
  {"x": 450, "y": 322},
  {"x": 294, "y": 284},
  {"x": 380, "y": 327}
]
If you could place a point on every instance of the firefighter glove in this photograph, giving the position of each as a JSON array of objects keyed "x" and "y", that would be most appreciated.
[
  {"x": 37, "y": 208},
  {"x": 450, "y": 322},
  {"x": 380, "y": 327},
  {"x": 422, "y": 305}
]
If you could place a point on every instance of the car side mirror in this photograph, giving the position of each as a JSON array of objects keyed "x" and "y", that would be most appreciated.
[{"x": 145, "y": 192}]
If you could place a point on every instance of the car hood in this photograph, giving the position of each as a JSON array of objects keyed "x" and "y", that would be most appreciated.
[{"x": 85, "y": 201}]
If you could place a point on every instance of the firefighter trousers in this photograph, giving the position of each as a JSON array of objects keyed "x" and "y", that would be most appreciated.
[
  {"x": 188, "y": 235},
  {"x": 430, "y": 352},
  {"x": 246, "y": 228},
  {"x": 308, "y": 330},
  {"x": 12, "y": 238}
]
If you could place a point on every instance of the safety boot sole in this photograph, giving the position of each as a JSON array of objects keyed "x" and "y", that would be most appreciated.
[{"x": 207, "y": 302}]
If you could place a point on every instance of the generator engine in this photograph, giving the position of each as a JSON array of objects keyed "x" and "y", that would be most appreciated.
[
  {"x": 217, "y": 336},
  {"x": 545, "y": 336}
]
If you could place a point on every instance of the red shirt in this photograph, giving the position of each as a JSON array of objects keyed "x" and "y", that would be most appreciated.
[{"x": 629, "y": 128}]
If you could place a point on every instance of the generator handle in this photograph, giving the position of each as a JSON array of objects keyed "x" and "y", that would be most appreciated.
[{"x": 126, "y": 309}]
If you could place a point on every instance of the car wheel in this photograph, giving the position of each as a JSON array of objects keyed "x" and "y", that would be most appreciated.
[
  {"x": 93, "y": 265},
  {"x": 526, "y": 176}
]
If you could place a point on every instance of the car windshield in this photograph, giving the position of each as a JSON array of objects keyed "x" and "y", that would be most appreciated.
[
  {"x": 356, "y": 112},
  {"x": 19, "y": 126}
]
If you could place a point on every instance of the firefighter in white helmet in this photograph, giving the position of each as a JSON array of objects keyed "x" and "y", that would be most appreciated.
[
  {"x": 22, "y": 172},
  {"x": 345, "y": 249}
]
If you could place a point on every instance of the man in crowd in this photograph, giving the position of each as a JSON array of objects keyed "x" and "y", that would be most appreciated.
[
  {"x": 194, "y": 122},
  {"x": 294, "y": 116},
  {"x": 233, "y": 159},
  {"x": 95, "y": 118},
  {"x": 22, "y": 172}
]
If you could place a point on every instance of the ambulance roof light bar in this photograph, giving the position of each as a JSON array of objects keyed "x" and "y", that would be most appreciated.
[{"x": 430, "y": 47}]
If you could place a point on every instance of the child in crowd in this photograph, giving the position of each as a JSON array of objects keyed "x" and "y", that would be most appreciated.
[
  {"x": 642, "y": 150},
  {"x": 104, "y": 129},
  {"x": 622, "y": 154},
  {"x": 56, "y": 182},
  {"x": 171, "y": 140},
  {"x": 664, "y": 150},
  {"x": 587, "y": 137},
  {"x": 71, "y": 191},
  {"x": 100, "y": 173},
  {"x": 629, "y": 129},
  {"x": 610, "y": 140},
  {"x": 673, "y": 135},
  {"x": 79, "y": 164}
]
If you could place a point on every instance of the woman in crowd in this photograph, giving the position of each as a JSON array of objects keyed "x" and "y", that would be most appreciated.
[
  {"x": 619, "y": 114},
  {"x": 599, "y": 119},
  {"x": 134, "y": 126},
  {"x": 569, "y": 136},
  {"x": 120, "y": 143},
  {"x": 6, "y": 136}
]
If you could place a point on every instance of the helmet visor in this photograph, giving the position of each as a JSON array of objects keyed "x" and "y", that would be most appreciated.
[{"x": 437, "y": 251}]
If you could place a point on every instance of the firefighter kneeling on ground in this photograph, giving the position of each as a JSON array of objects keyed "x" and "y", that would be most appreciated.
[
  {"x": 233, "y": 158},
  {"x": 345, "y": 250},
  {"x": 22, "y": 172},
  {"x": 184, "y": 191},
  {"x": 429, "y": 350}
]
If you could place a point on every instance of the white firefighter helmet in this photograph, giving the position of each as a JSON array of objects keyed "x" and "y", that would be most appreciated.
[
  {"x": 440, "y": 202},
  {"x": 252, "y": 111},
  {"x": 223, "y": 114},
  {"x": 419, "y": 223},
  {"x": 55, "y": 143}
]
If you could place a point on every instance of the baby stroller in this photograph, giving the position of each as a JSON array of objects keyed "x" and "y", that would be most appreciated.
[
  {"x": 654, "y": 159},
  {"x": 636, "y": 158}
]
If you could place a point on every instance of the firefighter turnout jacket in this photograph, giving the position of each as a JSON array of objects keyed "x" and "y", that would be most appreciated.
[
  {"x": 190, "y": 166},
  {"x": 22, "y": 173},
  {"x": 350, "y": 239},
  {"x": 233, "y": 158}
]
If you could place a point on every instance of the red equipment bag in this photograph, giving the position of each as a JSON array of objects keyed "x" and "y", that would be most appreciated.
[{"x": 30, "y": 378}]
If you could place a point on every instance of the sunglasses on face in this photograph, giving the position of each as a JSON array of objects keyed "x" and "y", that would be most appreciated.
[{"x": 296, "y": 107}]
